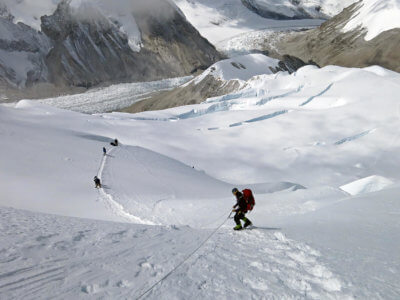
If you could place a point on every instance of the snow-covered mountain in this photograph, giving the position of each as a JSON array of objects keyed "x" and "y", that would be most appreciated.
[
  {"x": 323, "y": 168},
  {"x": 85, "y": 43},
  {"x": 222, "y": 20},
  {"x": 317, "y": 146},
  {"x": 364, "y": 34},
  {"x": 297, "y": 9}
]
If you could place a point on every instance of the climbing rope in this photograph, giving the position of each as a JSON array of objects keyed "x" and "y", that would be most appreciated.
[
  {"x": 183, "y": 261},
  {"x": 100, "y": 171}
]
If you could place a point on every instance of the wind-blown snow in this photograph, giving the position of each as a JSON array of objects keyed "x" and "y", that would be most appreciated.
[
  {"x": 375, "y": 17},
  {"x": 279, "y": 135}
]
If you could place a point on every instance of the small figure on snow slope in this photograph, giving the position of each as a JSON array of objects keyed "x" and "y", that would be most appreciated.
[
  {"x": 245, "y": 202},
  {"x": 104, "y": 151},
  {"x": 97, "y": 182}
]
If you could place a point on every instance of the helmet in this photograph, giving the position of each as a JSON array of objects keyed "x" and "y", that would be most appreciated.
[{"x": 234, "y": 191}]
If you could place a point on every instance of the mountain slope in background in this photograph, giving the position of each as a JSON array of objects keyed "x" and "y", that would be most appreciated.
[
  {"x": 91, "y": 43},
  {"x": 224, "y": 77},
  {"x": 222, "y": 20},
  {"x": 366, "y": 33},
  {"x": 297, "y": 9}
]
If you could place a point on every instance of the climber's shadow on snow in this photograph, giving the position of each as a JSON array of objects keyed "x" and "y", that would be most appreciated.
[{"x": 106, "y": 187}]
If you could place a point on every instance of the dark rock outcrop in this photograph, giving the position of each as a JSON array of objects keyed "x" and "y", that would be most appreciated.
[{"x": 291, "y": 64}]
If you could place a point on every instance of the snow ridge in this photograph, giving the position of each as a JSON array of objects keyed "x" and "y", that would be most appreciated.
[{"x": 108, "y": 199}]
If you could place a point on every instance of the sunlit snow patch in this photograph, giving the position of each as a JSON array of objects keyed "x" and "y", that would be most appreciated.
[
  {"x": 375, "y": 17},
  {"x": 368, "y": 184}
]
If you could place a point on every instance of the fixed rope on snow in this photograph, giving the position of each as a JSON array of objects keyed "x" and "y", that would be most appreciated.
[
  {"x": 100, "y": 173},
  {"x": 183, "y": 261}
]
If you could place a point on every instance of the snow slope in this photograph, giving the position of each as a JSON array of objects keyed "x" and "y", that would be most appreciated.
[
  {"x": 375, "y": 17},
  {"x": 360, "y": 237},
  {"x": 295, "y": 140},
  {"x": 94, "y": 259}
]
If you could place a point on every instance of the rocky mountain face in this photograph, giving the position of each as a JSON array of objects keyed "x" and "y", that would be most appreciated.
[
  {"x": 83, "y": 47},
  {"x": 331, "y": 45}
]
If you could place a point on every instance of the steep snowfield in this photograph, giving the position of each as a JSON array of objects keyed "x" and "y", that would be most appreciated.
[
  {"x": 295, "y": 140},
  {"x": 375, "y": 17}
]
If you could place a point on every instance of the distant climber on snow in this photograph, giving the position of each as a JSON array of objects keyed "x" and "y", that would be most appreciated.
[
  {"x": 104, "y": 151},
  {"x": 97, "y": 182},
  {"x": 115, "y": 143},
  {"x": 245, "y": 202}
]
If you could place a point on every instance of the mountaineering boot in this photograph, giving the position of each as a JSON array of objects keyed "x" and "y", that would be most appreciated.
[
  {"x": 237, "y": 227},
  {"x": 247, "y": 222}
]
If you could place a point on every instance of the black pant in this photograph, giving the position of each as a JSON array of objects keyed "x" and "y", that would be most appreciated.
[{"x": 238, "y": 216}]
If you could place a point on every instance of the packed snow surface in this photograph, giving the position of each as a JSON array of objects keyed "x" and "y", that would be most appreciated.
[
  {"x": 295, "y": 140},
  {"x": 375, "y": 17}
]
